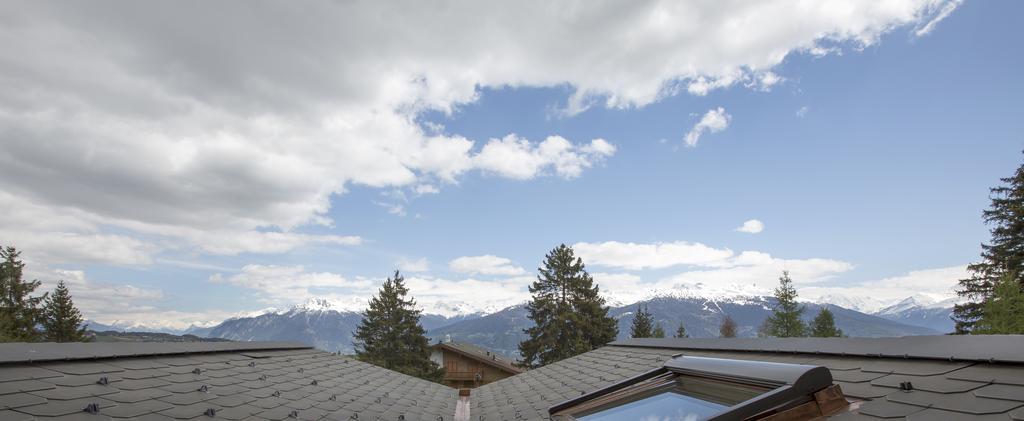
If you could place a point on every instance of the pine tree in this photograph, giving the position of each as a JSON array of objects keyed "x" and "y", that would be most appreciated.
[
  {"x": 728, "y": 327},
  {"x": 824, "y": 325},
  {"x": 1003, "y": 255},
  {"x": 62, "y": 322},
  {"x": 658, "y": 332},
  {"x": 785, "y": 321},
  {"x": 681, "y": 331},
  {"x": 569, "y": 315},
  {"x": 391, "y": 336},
  {"x": 20, "y": 312},
  {"x": 643, "y": 323},
  {"x": 1004, "y": 311}
]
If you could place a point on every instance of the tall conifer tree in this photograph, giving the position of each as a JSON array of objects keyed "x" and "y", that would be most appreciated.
[
  {"x": 728, "y": 328},
  {"x": 1004, "y": 311},
  {"x": 1003, "y": 255},
  {"x": 62, "y": 322},
  {"x": 681, "y": 331},
  {"x": 824, "y": 325},
  {"x": 391, "y": 336},
  {"x": 643, "y": 323},
  {"x": 569, "y": 315},
  {"x": 659, "y": 332},
  {"x": 20, "y": 312},
  {"x": 785, "y": 321}
]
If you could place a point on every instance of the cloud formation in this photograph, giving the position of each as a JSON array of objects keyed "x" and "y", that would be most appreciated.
[
  {"x": 485, "y": 265},
  {"x": 713, "y": 121},
  {"x": 751, "y": 226},
  {"x": 150, "y": 118}
]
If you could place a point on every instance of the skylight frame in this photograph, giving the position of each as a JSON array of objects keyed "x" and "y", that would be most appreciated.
[{"x": 783, "y": 386}]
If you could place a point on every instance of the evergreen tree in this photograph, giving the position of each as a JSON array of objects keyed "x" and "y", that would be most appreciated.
[
  {"x": 20, "y": 312},
  {"x": 728, "y": 327},
  {"x": 658, "y": 331},
  {"x": 391, "y": 336},
  {"x": 762, "y": 330},
  {"x": 824, "y": 325},
  {"x": 785, "y": 321},
  {"x": 569, "y": 315},
  {"x": 681, "y": 331},
  {"x": 1003, "y": 255},
  {"x": 1004, "y": 311},
  {"x": 643, "y": 323},
  {"x": 62, "y": 322}
]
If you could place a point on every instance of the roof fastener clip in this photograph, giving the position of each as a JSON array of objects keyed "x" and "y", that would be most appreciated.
[
  {"x": 197, "y": 371},
  {"x": 92, "y": 408},
  {"x": 103, "y": 381},
  {"x": 210, "y": 412},
  {"x": 204, "y": 388},
  {"x": 293, "y": 414},
  {"x": 252, "y": 363},
  {"x": 906, "y": 386}
]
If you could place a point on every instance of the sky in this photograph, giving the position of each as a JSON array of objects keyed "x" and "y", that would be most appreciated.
[{"x": 183, "y": 163}]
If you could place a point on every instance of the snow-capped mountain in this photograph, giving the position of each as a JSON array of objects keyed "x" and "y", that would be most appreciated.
[{"x": 921, "y": 311}]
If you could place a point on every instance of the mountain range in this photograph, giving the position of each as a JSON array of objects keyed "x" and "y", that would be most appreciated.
[{"x": 327, "y": 326}]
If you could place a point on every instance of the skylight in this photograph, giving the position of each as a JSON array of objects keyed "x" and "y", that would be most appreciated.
[{"x": 696, "y": 388}]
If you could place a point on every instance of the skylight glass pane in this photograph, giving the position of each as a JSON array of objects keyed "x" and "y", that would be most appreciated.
[{"x": 667, "y": 406}]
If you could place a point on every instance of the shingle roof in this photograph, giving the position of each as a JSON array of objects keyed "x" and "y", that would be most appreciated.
[
  {"x": 953, "y": 377},
  {"x": 481, "y": 354},
  {"x": 236, "y": 380}
]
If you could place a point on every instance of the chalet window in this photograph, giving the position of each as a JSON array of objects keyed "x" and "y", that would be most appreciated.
[{"x": 696, "y": 388}]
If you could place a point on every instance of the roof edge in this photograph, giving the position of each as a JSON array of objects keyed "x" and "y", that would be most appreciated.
[
  {"x": 978, "y": 348},
  {"x": 22, "y": 352}
]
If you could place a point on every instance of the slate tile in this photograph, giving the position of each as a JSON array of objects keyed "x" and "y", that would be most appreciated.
[
  {"x": 1001, "y": 391},
  {"x": 17, "y": 400},
  {"x": 240, "y": 412},
  {"x": 24, "y": 386},
  {"x": 82, "y": 380},
  {"x": 144, "y": 374},
  {"x": 989, "y": 373},
  {"x": 938, "y": 384},
  {"x": 935, "y": 414},
  {"x": 81, "y": 368},
  {"x": 958, "y": 402},
  {"x": 135, "y": 363},
  {"x": 888, "y": 409},
  {"x": 127, "y": 410},
  {"x": 141, "y": 384},
  {"x": 8, "y": 415},
  {"x": 26, "y": 373},
  {"x": 66, "y": 393},
  {"x": 57, "y": 408},
  {"x": 232, "y": 401},
  {"x": 188, "y": 398},
  {"x": 185, "y": 412},
  {"x": 79, "y": 416},
  {"x": 912, "y": 367},
  {"x": 131, "y": 396}
]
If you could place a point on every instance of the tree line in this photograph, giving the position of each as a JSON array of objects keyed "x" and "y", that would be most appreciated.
[
  {"x": 570, "y": 318},
  {"x": 51, "y": 317}
]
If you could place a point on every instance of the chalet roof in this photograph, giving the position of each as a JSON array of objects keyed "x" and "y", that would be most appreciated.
[
  {"x": 953, "y": 377},
  {"x": 486, "y": 356},
  {"x": 228, "y": 380}
]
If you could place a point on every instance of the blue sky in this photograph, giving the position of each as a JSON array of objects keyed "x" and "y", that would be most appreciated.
[{"x": 867, "y": 164}]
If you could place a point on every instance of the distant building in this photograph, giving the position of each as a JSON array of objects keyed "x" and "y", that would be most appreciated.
[{"x": 468, "y": 366}]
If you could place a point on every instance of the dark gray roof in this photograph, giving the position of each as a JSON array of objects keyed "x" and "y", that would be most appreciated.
[
  {"x": 954, "y": 377},
  {"x": 481, "y": 354},
  {"x": 236, "y": 380}
]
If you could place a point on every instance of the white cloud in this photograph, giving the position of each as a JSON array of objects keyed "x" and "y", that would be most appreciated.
[
  {"x": 751, "y": 226},
  {"x": 715, "y": 120},
  {"x": 414, "y": 265},
  {"x": 802, "y": 112},
  {"x": 114, "y": 112},
  {"x": 636, "y": 256},
  {"x": 485, "y": 265},
  {"x": 517, "y": 158},
  {"x": 281, "y": 285}
]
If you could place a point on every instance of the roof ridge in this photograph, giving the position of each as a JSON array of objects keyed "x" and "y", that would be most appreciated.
[{"x": 22, "y": 352}]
